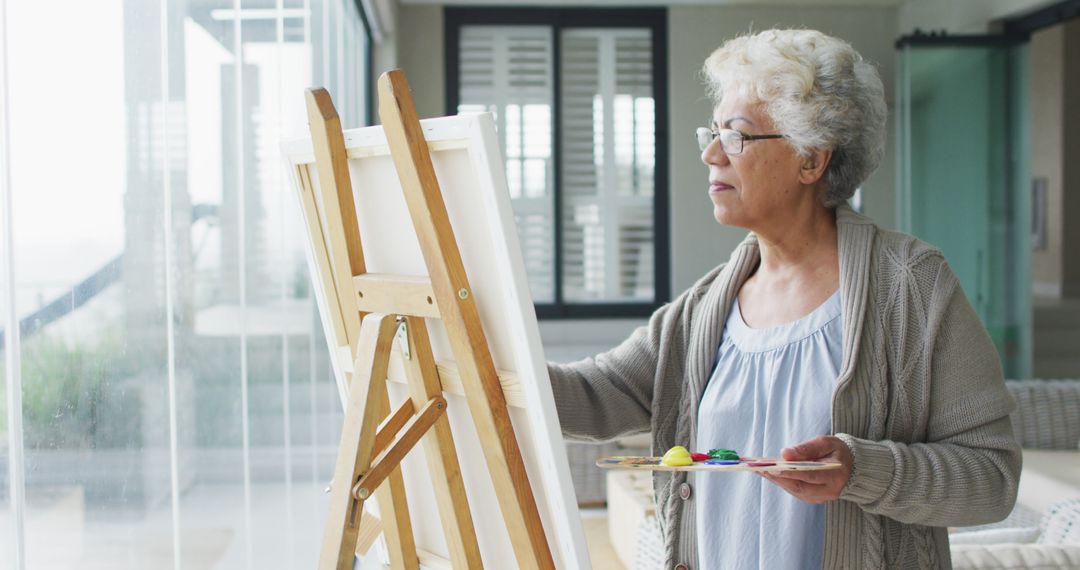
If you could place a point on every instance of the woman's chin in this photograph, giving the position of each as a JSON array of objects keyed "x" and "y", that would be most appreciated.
[{"x": 723, "y": 215}]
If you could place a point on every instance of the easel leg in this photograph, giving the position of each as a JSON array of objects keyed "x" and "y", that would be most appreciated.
[
  {"x": 355, "y": 451},
  {"x": 394, "y": 511},
  {"x": 458, "y": 310},
  {"x": 440, "y": 452}
]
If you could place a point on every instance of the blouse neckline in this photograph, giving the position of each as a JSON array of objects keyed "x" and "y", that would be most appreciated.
[{"x": 749, "y": 339}]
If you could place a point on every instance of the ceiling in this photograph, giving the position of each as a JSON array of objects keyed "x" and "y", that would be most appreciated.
[{"x": 633, "y": 3}]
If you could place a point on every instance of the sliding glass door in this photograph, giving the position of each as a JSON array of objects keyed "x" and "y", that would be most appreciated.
[{"x": 962, "y": 174}]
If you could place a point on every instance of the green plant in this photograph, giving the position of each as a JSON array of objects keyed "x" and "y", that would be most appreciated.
[{"x": 77, "y": 397}]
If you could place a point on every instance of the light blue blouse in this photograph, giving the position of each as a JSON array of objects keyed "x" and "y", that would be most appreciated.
[{"x": 771, "y": 388}]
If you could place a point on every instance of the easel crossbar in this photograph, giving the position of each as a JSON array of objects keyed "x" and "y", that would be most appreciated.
[
  {"x": 399, "y": 294},
  {"x": 418, "y": 426},
  {"x": 392, "y": 425}
]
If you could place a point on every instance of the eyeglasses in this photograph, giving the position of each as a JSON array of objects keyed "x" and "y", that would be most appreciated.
[{"x": 731, "y": 141}]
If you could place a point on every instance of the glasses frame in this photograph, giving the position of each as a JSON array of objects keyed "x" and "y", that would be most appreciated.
[{"x": 706, "y": 135}]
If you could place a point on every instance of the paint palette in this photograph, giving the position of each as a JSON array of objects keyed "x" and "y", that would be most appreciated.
[{"x": 742, "y": 464}]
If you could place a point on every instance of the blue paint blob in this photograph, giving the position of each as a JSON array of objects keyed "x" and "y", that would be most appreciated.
[{"x": 721, "y": 462}]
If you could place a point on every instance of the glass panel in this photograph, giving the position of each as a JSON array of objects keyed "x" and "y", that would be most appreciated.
[
  {"x": 260, "y": 340},
  {"x": 212, "y": 375},
  {"x": 7, "y": 518},
  {"x": 10, "y": 439},
  {"x": 1020, "y": 122},
  {"x": 957, "y": 135},
  {"x": 90, "y": 285},
  {"x": 266, "y": 314},
  {"x": 8, "y": 554},
  {"x": 178, "y": 402}
]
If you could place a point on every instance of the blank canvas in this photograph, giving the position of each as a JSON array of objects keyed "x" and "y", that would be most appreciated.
[{"x": 467, "y": 161}]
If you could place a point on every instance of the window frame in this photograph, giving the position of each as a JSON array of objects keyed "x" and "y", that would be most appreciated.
[{"x": 559, "y": 19}]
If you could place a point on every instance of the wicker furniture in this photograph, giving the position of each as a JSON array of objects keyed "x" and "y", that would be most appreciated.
[
  {"x": 1047, "y": 425},
  {"x": 589, "y": 480},
  {"x": 1054, "y": 544},
  {"x": 1047, "y": 414}
]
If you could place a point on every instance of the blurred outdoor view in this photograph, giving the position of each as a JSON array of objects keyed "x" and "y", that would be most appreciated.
[{"x": 177, "y": 405}]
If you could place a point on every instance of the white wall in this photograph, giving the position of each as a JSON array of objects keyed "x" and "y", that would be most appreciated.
[
  {"x": 421, "y": 54},
  {"x": 1047, "y": 108},
  {"x": 1071, "y": 188},
  {"x": 413, "y": 41},
  {"x": 384, "y": 51}
]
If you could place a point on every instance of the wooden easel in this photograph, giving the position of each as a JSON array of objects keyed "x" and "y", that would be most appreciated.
[{"x": 369, "y": 311}]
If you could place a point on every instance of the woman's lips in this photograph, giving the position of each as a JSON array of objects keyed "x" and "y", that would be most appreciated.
[{"x": 719, "y": 187}]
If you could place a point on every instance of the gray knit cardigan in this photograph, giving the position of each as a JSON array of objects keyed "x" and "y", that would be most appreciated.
[{"x": 920, "y": 400}]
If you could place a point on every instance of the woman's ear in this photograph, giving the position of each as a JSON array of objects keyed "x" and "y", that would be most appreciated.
[{"x": 813, "y": 166}]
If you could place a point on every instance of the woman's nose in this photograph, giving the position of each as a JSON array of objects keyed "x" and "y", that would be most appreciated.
[{"x": 713, "y": 153}]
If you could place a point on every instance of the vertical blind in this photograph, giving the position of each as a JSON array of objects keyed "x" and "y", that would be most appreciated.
[
  {"x": 608, "y": 158},
  {"x": 607, "y": 144},
  {"x": 509, "y": 71}
]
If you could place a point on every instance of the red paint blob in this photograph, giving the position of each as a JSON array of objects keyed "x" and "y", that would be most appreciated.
[
  {"x": 761, "y": 463},
  {"x": 699, "y": 456}
]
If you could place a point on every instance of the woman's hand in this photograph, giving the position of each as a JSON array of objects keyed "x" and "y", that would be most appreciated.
[{"x": 815, "y": 487}]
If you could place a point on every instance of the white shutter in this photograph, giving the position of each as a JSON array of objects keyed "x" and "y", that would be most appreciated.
[
  {"x": 608, "y": 158},
  {"x": 508, "y": 70}
]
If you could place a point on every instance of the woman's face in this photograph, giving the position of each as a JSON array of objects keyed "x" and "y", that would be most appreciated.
[{"x": 758, "y": 185}]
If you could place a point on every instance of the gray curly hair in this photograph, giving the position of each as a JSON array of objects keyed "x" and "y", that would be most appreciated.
[{"x": 817, "y": 90}]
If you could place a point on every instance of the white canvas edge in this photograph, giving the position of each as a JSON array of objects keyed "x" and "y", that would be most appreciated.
[
  {"x": 544, "y": 417},
  {"x": 300, "y": 150},
  {"x": 313, "y": 268},
  {"x": 483, "y": 144}
]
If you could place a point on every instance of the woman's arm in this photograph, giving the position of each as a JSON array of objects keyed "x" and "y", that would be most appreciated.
[
  {"x": 610, "y": 395},
  {"x": 967, "y": 472}
]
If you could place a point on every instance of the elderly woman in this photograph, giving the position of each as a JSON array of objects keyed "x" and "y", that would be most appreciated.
[{"x": 823, "y": 337}]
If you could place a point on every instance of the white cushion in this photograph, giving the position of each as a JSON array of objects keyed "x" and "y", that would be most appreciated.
[
  {"x": 1048, "y": 476},
  {"x": 995, "y": 536},
  {"x": 630, "y": 504},
  {"x": 1062, "y": 524},
  {"x": 1014, "y": 556}
]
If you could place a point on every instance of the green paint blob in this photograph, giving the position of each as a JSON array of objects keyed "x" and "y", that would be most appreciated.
[{"x": 723, "y": 454}]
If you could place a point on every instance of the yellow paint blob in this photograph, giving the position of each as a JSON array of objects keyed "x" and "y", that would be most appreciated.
[{"x": 676, "y": 457}]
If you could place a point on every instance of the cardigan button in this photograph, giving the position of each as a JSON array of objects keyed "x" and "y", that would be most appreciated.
[
  {"x": 682, "y": 567},
  {"x": 685, "y": 491}
]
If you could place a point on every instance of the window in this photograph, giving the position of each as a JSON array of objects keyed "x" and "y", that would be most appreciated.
[
  {"x": 169, "y": 385},
  {"x": 579, "y": 98}
]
